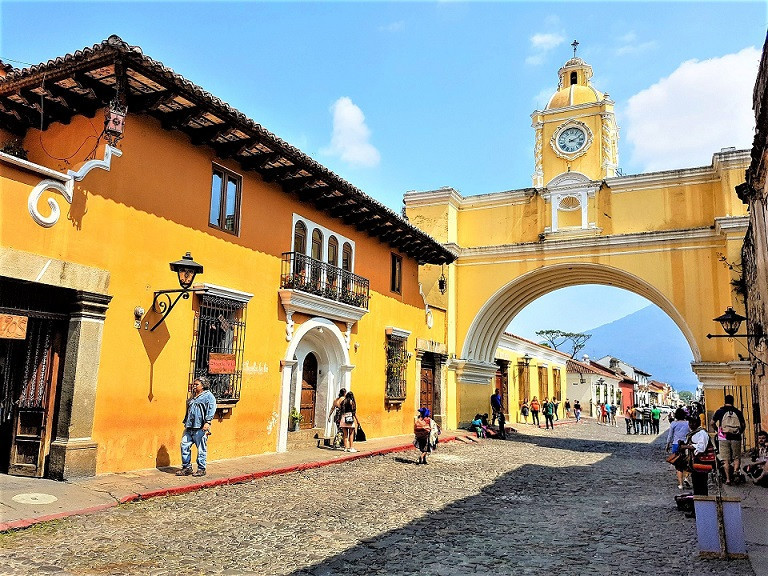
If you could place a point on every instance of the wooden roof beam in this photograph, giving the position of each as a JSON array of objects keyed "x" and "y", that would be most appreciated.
[
  {"x": 206, "y": 134},
  {"x": 54, "y": 110},
  {"x": 312, "y": 194},
  {"x": 298, "y": 183},
  {"x": 103, "y": 93},
  {"x": 270, "y": 174},
  {"x": 233, "y": 147},
  {"x": 259, "y": 161},
  {"x": 178, "y": 119},
  {"x": 77, "y": 102}
]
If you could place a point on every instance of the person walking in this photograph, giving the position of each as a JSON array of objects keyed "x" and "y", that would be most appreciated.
[
  {"x": 556, "y": 403},
  {"x": 525, "y": 410},
  {"x": 349, "y": 421},
  {"x": 535, "y": 407},
  {"x": 629, "y": 418},
  {"x": 338, "y": 435},
  {"x": 495, "y": 406},
  {"x": 607, "y": 410},
  {"x": 577, "y": 411},
  {"x": 425, "y": 431},
  {"x": 567, "y": 408},
  {"x": 728, "y": 421},
  {"x": 697, "y": 444},
  {"x": 201, "y": 408},
  {"x": 655, "y": 419},
  {"x": 614, "y": 412},
  {"x": 548, "y": 407},
  {"x": 637, "y": 421},
  {"x": 678, "y": 432},
  {"x": 646, "y": 419}
]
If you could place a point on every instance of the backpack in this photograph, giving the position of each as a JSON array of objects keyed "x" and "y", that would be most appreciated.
[
  {"x": 422, "y": 427},
  {"x": 730, "y": 423}
]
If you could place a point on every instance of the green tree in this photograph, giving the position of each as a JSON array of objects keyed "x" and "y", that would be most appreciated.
[
  {"x": 557, "y": 338},
  {"x": 686, "y": 396}
]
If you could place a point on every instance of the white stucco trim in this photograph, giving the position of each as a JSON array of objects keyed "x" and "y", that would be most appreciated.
[
  {"x": 332, "y": 348},
  {"x": 224, "y": 292},
  {"x": 64, "y": 184},
  {"x": 397, "y": 332}
]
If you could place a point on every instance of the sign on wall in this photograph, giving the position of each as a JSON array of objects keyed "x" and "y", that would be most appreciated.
[
  {"x": 221, "y": 363},
  {"x": 13, "y": 327}
]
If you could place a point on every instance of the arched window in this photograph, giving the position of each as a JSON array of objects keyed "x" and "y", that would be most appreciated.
[
  {"x": 317, "y": 244},
  {"x": 574, "y": 77},
  {"x": 333, "y": 251},
  {"x": 346, "y": 257},
  {"x": 300, "y": 238}
]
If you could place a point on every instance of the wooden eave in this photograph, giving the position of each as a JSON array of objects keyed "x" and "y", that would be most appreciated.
[{"x": 88, "y": 80}]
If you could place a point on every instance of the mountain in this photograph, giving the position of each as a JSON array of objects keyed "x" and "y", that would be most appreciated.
[{"x": 647, "y": 339}]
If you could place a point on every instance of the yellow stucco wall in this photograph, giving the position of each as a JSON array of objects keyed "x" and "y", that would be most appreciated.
[{"x": 148, "y": 210}]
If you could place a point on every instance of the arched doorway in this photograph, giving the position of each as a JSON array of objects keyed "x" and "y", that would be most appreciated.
[
  {"x": 315, "y": 366},
  {"x": 308, "y": 391}
]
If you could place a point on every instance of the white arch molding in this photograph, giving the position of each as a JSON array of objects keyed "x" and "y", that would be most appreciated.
[
  {"x": 329, "y": 346},
  {"x": 493, "y": 318}
]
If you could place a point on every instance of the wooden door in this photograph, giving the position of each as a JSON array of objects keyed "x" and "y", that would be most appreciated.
[
  {"x": 427, "y": 387},
  {"x": 32, "y": 377},
  {"x": 308, "y": 391}
]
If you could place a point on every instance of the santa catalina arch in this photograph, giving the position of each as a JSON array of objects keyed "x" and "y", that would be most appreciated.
[{"x": 660, "y": 235}]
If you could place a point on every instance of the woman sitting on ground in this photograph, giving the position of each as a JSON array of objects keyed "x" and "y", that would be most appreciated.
[{"x": 477, "y": 426}]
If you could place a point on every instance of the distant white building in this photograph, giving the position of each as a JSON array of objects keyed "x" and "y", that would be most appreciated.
[{"x": 641, "y": 388}]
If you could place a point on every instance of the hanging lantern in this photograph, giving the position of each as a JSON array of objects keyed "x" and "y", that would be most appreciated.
[
  {"x": 114, "y": 122},
  {"x": 442, "y": 282}
]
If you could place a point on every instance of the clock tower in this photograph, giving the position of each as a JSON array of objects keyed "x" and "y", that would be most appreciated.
[{"x": 577, "y": 130}]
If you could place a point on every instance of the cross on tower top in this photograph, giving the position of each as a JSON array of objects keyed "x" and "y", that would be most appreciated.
[{"x": 575, "y": 45}]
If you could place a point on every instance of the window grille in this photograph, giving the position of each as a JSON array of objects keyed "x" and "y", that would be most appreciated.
[
  {"x": 397, "y": 363},
  {"x": 219, "y": 329}
]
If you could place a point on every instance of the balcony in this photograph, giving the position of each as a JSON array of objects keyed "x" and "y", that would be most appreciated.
[{"x": 316, "y": 288}]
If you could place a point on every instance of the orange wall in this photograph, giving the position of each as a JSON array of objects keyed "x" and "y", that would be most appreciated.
[{"x": 148, "y": 210}]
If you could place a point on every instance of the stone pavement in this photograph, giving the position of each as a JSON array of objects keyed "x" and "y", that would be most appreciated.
[
  {"x": 28, "y": 501},
  {"x": 584, "y": 499}
]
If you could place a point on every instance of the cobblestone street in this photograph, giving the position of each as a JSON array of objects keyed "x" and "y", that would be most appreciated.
[{"x": 583, "y": 499}]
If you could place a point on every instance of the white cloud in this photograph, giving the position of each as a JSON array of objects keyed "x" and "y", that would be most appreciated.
[
  {"x": 701, "y": 107},
  {"x": 393, "y": 26},
  {"x": 350, "y": 138},
  {"x": 541, "y": 45}
]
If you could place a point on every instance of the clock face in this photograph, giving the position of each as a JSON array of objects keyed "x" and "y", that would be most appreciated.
[{"x": 571, "y": 139}]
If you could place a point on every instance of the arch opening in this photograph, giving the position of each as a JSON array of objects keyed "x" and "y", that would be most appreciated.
[{"x": 494, "y": 317}]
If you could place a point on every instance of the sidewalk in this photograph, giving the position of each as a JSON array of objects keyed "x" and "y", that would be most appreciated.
[
  {"x": 754, "y": 511},
  {"x": 28, "y": 501}
]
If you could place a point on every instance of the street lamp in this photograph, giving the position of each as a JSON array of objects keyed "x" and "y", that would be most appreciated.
[
  {"x": 186, "y": 269},
  {"x": 442, "y": 282},
  {"x": 526, "y": 359},
  {"x": 731, "y": 322}
]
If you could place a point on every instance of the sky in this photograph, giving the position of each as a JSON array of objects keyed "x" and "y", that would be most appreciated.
[{"x": 399, "y": 96}]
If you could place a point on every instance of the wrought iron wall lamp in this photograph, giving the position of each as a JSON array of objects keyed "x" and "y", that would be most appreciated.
[
  {"x": 186, "y": 269},
  {"x": 526, "y": 359},
  {"x": 442, "y": 282},
  {"x": 731, "y": 322}
]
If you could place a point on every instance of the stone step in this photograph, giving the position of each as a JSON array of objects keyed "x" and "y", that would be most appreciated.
[{"x": 307, "y": 438}]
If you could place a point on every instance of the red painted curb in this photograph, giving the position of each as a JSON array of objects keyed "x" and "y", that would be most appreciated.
[{"x": 187, "y": 488}]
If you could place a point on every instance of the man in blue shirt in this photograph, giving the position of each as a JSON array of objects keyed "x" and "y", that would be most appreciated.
[
  {"x": 495, "y": 406},
  {"x": 197, "y": 424}
]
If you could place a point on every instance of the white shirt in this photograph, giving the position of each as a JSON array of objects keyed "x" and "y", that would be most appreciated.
[{"x": 700, "y": 440}]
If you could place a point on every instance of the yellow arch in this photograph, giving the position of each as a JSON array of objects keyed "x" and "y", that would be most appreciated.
[{"x": 496, "y": 314}]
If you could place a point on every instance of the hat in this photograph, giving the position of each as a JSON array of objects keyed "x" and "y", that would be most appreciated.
[{"x": 424, "y": 412}]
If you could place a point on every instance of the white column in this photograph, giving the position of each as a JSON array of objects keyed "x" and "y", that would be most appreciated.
[{"x": 287, "y": 368}]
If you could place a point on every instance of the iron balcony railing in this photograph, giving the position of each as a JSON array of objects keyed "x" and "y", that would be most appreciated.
[{"x": 306, "y": 274}]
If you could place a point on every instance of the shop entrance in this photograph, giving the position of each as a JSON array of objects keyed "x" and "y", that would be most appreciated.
[
  {"x": 32, "y": 342},
  {"x": 427, "y": 385}
]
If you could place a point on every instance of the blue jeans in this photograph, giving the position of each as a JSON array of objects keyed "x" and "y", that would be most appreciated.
[{"x": 200, "y": 439}]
